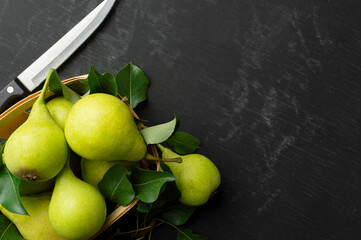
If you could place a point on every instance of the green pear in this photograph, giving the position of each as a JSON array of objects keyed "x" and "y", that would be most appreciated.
[
  {"x": 36, "y": 226},
  {"x": 94, "y": 171},
  {"x": 197, "y": 176},
  {"x": 77, "y": 210},
  {"x": 37, "y": 150},
  {"x": 59, "y": 108},
  {"x": 26, "y": 187},
  {"x": 101, "y": 127}
]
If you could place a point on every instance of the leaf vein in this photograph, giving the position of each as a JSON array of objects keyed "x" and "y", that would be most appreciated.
[
  {"x": 116, "y": 187},
  {"x": 165, "y": 179},
  {"x": 13, "y": 184},
  {"x": 8, "y": 227}
]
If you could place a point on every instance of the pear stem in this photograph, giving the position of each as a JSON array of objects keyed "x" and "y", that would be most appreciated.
[
  {"x": 134, "y": 231},
  {"x": 177, "y": 160},
  {"x": 170, "y": 224},
  {"x": 43, "y": 90},
  {"x": 141, "y": 232}
]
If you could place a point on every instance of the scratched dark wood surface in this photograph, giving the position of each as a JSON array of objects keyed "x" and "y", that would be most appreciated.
[{"x": 271, "y": 88}]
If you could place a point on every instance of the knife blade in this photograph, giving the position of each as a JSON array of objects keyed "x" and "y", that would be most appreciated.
[{"x": 35, "y": 74}]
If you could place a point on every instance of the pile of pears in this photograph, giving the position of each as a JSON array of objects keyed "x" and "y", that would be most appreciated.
[{"x": 100, "y": 128}]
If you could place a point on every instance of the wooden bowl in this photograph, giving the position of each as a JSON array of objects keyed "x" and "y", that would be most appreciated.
[{"x": 16, "y": 115}]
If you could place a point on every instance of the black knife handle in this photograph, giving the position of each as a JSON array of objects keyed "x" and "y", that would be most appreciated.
[{"x": 13, "y": 92}]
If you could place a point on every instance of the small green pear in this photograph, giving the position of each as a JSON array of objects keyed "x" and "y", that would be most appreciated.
[
  {"x": 36, "y": 226},
  {"x": 197, "y": 176},
  {"x": 59, "y": 108},
  {"x": 37, "y": 150},
  {"x": 101, "y": 127},
  {"x": 77, "y": 210},
  {"x": 94, "y": 171}
]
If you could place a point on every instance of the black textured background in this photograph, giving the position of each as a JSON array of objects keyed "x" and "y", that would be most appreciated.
[{"x": 271, "y": 88}]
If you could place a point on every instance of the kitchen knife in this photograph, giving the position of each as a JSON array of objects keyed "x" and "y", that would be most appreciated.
[{"x": 35, "y": 74}]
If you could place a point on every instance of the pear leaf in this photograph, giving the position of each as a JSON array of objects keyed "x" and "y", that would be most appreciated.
[
  {"x": 101, "y": 83},
  {"x": 8, "y": 230},
  {"x": 166, "y": 200},
  {"x": 165, "y": 167},
  {"x": 147, "y": 184},
  {"x": 160, "y": 133},
  {"x": 186, "y": 234},
  {"x": 85, "y": 94},
  {"x": 81, "y": 87},
  {"x": 9, "y": 192},
  {"x": 171, "y": 192},
  {"x": 183, "y": 143},
  {"x": 59, "y": 88},
  {"x": 178, "y": 214},
  {"x": 144, "y": 207},
  {"x": 133, "y": 84},
  {"x": 116, "y": 187}
]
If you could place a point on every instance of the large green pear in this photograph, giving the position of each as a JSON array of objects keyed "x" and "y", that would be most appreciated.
[
  {"x": 59, "y": 108},
  {"x": 101, "y": 127},
  {"x": 37, "y": 150},
  {"x": 94, "y": 171},
  {"x": 197, "y": 176},
  {"x": 77, "y": 210},
  {"x": 36, "y": 225}
]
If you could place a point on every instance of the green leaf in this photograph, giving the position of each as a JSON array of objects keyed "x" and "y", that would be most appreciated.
[
  {"x": 147, "y": 184},
  {"x": 55, "y": 85},
  {"x": 178, "y": 214},
  {"x": 8, "y": 230},
  {"x": 183, "y": 143},
  {"x": 9, "y": 192},
  {"x": 171, "y": 192},
  {"x": 160, "y": 133},
  {"x": 133, "y": 84},
  {"x": 99, "y": 83},
  {"x": 2, "y": 146},
  {"x": 144, "y": 207},
  {"x": 165, "y": 167},
  {"x": 85, "y": 94},
  {"x": 186, "y": 234},
  {"x": 81, "y": 87},
  {"x": 166, "y": 200},
  {"x": 116, "y": 187},
  {"x": 59, "y": 88}
]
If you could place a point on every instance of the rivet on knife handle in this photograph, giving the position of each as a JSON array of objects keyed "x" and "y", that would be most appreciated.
[{"x": 11, "y": 93}]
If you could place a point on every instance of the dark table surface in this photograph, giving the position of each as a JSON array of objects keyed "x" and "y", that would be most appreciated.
[{"x": 271, "y": 88}]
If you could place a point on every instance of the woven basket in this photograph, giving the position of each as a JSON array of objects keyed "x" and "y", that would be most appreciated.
[{"x": 16, "y": 115}]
